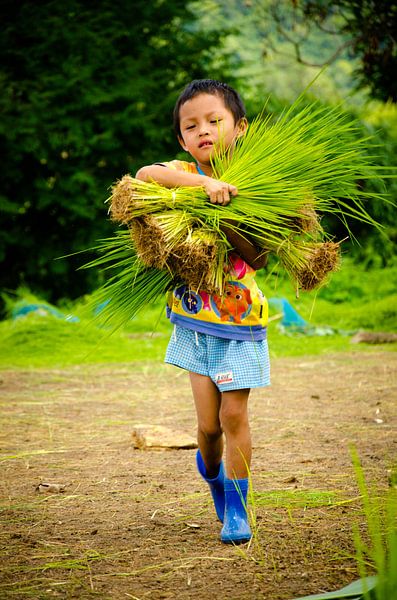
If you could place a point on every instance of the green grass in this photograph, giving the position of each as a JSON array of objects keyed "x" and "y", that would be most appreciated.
[
  {"x": 48, "y": 342},
  {"x": 353, "y": 300},
  {"x": 296, "y": 498}
]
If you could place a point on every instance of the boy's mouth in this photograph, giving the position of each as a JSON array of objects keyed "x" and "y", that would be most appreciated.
[{"x": 205, "y": 143}]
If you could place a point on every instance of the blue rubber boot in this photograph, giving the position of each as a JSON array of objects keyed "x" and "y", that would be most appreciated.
[
  {"x": 215, "y": 484},
  {"x": 236, "y": 529}
]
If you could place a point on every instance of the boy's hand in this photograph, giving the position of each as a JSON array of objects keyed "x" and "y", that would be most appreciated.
[{"x": 219, "y": 192}]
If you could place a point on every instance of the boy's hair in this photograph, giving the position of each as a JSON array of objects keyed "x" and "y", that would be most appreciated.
[{"x": 230, "y": 97}]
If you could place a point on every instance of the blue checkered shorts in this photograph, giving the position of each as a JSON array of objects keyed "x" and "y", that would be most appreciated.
[{"x": 231, "y": 364}]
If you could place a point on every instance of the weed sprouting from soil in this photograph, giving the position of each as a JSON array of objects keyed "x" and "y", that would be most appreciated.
[{"x": 379, "y": 553}]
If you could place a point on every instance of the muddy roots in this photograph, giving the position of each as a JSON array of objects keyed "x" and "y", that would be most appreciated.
[
  {"x": 149, "y": 241},
  {"x": 121, "y": 199},
  {"x": 324, "y": 259},
  {"x": 308, "y": 221},
  {"x": 195, "y": 261}
]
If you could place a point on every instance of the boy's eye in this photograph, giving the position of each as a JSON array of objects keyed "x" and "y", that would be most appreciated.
[
  {"x": 189, "y": 127},
  {"x": 216, "y": 120}
]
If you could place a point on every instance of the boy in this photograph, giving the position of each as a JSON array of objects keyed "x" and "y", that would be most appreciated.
[{"x": 220, "y": 340}]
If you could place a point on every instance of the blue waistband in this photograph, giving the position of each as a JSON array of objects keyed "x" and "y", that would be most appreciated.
[{"x": 232, "y": 331}]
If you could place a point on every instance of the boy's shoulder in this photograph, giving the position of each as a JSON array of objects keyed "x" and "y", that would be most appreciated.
[{"x": 181, "y": 165}]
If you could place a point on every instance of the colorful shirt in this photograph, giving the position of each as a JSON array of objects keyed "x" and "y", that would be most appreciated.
[{"x": 240, "y": 313}]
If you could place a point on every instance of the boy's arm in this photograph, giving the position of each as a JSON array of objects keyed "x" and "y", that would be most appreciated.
[
  {"x": 218, "y": 192},
  {"x": 257, "y": 259}
]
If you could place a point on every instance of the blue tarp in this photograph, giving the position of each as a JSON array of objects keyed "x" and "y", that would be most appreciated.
[
  {"x": 40, "y": 309},
  {"x": 291, "y": 318},
  {"x": 292, "y": 322}
]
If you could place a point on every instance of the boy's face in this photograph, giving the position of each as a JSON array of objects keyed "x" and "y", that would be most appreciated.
[{"x": 204, "y": 121}]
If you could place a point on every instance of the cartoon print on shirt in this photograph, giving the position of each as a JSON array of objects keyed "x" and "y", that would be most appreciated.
[
  {"x": 191, "y": 302},
  {"x": 206, "y": 300},
  {"x": 233, "y": 306},
  {"x": 235, "y": 303}
]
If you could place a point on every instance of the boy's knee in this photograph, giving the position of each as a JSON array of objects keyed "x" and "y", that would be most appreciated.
[
  {"x": 210, "y": 431},
  {"x": 233, "y": 417}
]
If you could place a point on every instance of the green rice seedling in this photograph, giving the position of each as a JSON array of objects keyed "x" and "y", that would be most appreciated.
[
  {"x": 131, "y": 287},
  {"x": 313, "y": 152}
]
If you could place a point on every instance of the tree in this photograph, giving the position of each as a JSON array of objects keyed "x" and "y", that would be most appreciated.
[
  {"x": 364, "y": 29},
  {"x": 87, "y": 96}
]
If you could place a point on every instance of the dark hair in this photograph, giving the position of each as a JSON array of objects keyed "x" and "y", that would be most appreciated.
[{"x": 230, "y": 97}]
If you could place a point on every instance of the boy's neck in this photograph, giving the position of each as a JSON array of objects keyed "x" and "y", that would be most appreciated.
[{"x": 204, "y": 169}]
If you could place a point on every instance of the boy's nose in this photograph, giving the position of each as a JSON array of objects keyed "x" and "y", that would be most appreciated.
[{"x": 203, "y": 130}]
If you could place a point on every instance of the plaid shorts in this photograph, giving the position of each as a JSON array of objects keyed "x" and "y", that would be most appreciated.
[{"x": 231, "y": 364}]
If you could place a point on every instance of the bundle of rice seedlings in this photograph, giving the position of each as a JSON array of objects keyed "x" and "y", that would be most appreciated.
[
  {"x": 167, "y": 239},
  {"x": 275, "y": 166},
  {"x": 132, "y": 198},
  {"x": 315, "y": 153},
  {"x": 287, "y": 172},
  {"x": 308, "y": 263}
]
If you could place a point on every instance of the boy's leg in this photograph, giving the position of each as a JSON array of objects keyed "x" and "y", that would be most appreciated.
[
  {"x": 234, "y": 422},
  {"x": 234, "y": 419},
  {"x": 207, "y": 400}
]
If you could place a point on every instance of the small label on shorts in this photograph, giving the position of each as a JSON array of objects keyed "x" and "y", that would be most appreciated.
[{"x": 224, "y": 377}]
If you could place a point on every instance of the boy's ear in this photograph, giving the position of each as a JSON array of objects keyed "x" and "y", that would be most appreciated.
[
  {"x": 242, "y": 127},
  {"x": 182, "y": 143}
]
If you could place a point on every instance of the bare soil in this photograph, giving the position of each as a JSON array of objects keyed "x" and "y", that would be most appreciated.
[{"x": 139, "y": 523}]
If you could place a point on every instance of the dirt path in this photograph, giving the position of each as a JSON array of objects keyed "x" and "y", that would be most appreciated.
[{"x": 139, "y": 523}]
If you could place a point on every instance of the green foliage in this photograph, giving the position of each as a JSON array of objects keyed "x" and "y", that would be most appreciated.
[
  {"x": 380, "y": 121},
  {"x": 314, "y": 33},
  {"x": 266, "y": 49},
  {"x": 87, "y": 95}
]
